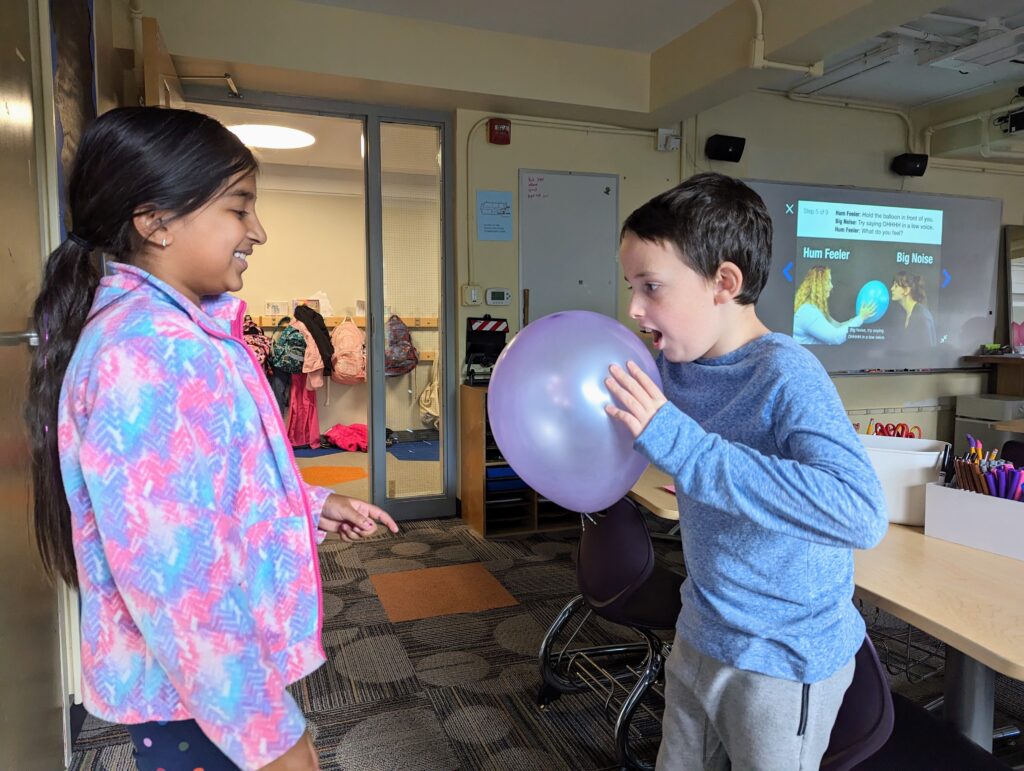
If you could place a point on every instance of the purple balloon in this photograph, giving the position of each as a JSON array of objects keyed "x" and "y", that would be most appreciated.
[{"x": 546, "y": 403}]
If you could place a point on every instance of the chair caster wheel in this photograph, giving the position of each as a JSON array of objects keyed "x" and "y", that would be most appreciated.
[{"x": 545, "y": 695}]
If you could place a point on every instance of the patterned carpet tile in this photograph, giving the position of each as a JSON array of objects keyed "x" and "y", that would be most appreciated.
[
  {"x": 340, "y": 561},
  {"x": 460, "y": 691},
  {"x": 415, "y": 550},
  {"x": 97, "y": 733},
  {"x": 351, "y": 603},
  {"x": 402, "y": 733},
  {"x": 528, "y": 581},
  {"x": 504, "y": 731},
  {"x": 510, "y": 550},
  {"x": 476, "y": 647},
  {"x": 364, "y": 664},
  {"x": 440, "y": 591},
  {"x": 112, "y": 757}
]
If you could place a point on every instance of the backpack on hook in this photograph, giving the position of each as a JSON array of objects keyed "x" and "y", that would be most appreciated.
[{"x": 401, "y": 356}]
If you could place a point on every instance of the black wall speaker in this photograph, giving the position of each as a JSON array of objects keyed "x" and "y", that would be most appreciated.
[
  {"x": 721, "y": 147},
  {"x": 909, "y": 164}
]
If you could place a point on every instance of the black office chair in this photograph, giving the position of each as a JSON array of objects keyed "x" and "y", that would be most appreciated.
[
  {"x": 921, "y": 742},
  {"x": 1013, "y": 451},
  {"x": 619, "y": 582},
  {"x": 865, "y": 719}
]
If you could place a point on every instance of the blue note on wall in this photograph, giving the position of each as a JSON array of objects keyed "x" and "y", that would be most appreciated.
[{"x": 493, "y": 215}]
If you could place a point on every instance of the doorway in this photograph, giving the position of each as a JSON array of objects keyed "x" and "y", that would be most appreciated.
[{"x": 358, "y": 229}]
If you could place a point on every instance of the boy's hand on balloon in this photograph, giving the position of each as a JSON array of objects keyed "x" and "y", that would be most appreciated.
[{"x": 637, "y": 393}]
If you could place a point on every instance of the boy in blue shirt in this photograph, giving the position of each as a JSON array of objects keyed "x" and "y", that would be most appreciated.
[{"x": 774, "y": 488}]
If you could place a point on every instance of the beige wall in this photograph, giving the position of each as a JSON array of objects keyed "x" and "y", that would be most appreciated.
[
  {"x": 543, "y": 145},
  {"x": 315, "y": 222},
  {"x": 801, "y": 142},
  {"x": 786, "y": 141},
  {"x": 379, "y": 56},
  {"x": 804, "y": 142},
  {"x": 315, "y": 242}
]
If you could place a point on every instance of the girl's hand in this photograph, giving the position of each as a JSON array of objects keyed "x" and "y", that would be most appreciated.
[
  {"x": 301, "y": 757},
  {"x": 352, "y": 518},
  {"x": 638, "y": 395},
  {"x": 867, "y": 310}
]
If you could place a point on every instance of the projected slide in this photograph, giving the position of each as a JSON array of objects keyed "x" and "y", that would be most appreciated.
[
  {"x": 890, "y": 255},
  {"x": 880, "y": 280}
]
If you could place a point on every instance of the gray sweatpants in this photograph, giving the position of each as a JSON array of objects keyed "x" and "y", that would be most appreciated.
[{"x": 718, "y": 717}]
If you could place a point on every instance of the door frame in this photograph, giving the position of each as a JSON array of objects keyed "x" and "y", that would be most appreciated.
[{"x": 421, "y": 507}]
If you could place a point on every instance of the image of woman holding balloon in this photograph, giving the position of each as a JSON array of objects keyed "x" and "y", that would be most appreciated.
[
  {"x": 919, "y": 325},
  {"x": 812, "y": 322}
]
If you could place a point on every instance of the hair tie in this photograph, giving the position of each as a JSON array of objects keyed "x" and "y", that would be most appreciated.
[{"x": 77, "y": 239}]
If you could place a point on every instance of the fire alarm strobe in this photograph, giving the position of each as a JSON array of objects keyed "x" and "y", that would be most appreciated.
[{"x": 499, "y": 131}]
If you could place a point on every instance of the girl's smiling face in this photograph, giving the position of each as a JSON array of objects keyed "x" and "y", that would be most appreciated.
[{"x": 208, "y": 250}]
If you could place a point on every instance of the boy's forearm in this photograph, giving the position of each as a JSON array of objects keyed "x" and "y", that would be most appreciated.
[{"x": 841, "y": 505}]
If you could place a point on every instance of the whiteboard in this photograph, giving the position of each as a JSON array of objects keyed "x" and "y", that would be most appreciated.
[
  {"x": 568, "y": 241},
  {"x": 949, "y": 245}
]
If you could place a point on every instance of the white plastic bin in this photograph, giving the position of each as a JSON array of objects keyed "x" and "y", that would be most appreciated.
[
  {"x": 904, "y": 467},
  {"x": 975, "y": 520}
]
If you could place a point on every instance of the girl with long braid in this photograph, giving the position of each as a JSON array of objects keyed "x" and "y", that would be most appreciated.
[{"x": 165, "y": 490}]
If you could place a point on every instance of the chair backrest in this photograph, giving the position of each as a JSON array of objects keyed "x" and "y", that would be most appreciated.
[
  {"x": 615, "y": 555},
  {"x": 865, "y": 718},
  {"x": 1013, "y": 451}
]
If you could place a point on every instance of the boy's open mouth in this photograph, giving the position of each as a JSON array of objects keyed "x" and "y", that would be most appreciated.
[{"x": 655, "y": 335}]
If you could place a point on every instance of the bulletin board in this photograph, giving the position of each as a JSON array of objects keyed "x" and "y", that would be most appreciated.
[{"x": 568, "y": 241}]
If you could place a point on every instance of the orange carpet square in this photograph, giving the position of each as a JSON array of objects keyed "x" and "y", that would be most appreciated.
[
  {"x": 412, "y": 594},
  {"x": 325, "y": 476}
]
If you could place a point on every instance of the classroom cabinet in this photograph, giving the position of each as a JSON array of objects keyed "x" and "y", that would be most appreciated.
[{"x": 494, "y": 500}]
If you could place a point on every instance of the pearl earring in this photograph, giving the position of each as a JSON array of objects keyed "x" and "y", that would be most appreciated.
[{"x": 164, "y": 243}]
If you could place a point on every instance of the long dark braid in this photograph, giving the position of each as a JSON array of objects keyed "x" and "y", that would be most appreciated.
[{"x": 131, "y": 161}]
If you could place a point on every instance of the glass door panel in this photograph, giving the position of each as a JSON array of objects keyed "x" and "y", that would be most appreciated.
[{"x": 412, "y": 237}]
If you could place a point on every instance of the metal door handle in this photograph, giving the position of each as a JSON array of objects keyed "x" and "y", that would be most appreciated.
[{"x": 31, "y": 339}]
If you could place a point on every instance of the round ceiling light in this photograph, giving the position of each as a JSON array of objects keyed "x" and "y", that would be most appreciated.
[{"x": 272, "y": 137}]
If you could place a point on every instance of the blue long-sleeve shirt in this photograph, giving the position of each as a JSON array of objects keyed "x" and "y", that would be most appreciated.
[{"x": 774, "y": 491}]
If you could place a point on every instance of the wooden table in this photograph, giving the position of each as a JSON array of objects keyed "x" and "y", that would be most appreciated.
[
  {"x": 1015, "y": 426},
  {"x": 649, "y": 493},
  {"x": 972, "y": 600}
]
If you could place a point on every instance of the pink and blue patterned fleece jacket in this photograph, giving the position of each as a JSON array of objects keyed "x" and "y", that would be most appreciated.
[{"x": 194, "y": 534}]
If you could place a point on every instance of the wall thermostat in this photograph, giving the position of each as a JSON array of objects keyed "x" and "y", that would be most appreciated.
[{"x": 497, "y": 296}]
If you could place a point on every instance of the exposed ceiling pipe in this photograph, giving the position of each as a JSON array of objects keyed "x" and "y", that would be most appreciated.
[
  {"x": 863, "y": 106},
  {"x": 890, "y": 49},
  {"x": 979, "y": 23},
  {"x": 758, "y": 62},
  {"x": 931, "y": 37},
  {"x": 986, "y": 144},
  {"x": 985, "y": 116}
]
